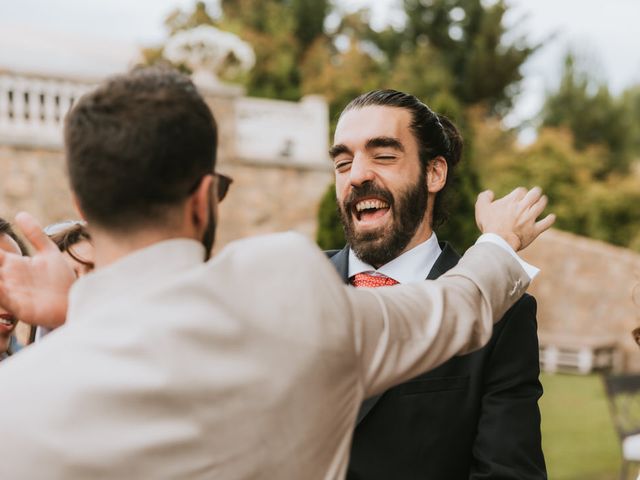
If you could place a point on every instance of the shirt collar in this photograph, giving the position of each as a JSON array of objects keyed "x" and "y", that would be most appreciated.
[
  {"x": 133, "y": 272},
  {"x": 412, "y": 266}
]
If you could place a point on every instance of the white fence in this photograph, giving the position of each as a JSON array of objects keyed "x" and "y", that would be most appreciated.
[
  {"x": 283, "y": 133},
  {"x": 32, "y": 109},
  {"x": 270, "y": 132}
]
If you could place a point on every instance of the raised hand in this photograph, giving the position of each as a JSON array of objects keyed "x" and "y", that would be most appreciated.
[
  {"x": 514, "y": 216},
  {"x": 35, "y": 289}
]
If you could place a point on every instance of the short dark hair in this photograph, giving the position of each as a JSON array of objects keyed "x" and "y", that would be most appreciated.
[
  {"x": 7, "y": 229},
  {"x": 138, "y": 145},
  {"x": 435, "y": 134}
]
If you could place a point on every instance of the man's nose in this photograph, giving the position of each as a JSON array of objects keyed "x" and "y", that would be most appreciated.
[{"x": 361, "y": 172}]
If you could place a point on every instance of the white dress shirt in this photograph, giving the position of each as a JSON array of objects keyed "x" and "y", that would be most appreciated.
[{"x": 414, "y": 265}]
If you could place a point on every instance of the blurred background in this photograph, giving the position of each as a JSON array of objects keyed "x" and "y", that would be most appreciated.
[{"x": 546, "y": 93}]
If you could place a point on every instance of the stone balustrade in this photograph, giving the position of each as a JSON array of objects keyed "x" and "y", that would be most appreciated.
[{"x": 32, "y": 108}]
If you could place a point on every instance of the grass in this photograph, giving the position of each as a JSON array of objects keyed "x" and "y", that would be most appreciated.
[{"x": 578, "y": 437}]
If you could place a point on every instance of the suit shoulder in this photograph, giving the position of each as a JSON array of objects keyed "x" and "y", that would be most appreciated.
[
  {"x": 290, "y": 255},
  {"x": 526, "y": 304},
  {"x": 331, "y": 253},
  {"x": 283, "y": 245},
  {"x": 520, "y": 317}
]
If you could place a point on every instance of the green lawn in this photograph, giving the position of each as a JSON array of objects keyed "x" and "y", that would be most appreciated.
[{"x": 578, "y": 437}]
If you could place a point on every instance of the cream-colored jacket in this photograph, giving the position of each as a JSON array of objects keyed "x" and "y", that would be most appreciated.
[{"x": 250, "y": 366}]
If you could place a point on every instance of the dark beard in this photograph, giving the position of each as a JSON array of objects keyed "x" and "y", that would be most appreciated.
[
  {"x": 379, "y": 247},
  {"x": 209, "y": 234}
]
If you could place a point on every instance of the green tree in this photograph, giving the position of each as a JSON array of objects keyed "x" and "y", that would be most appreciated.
[
  {"x": 593, "y": 116},
  {"x": 470, "y": 35},
  {"x": 565, "y": 175},
  {"x": 630, "y": 100},
  {"x": 175, "y": 22},
  {"x": 281, "y": 32},
  {"x": 330, "y": 234},
  {"x": 338, "y": 76},
  {"x": 179, "y": 19}
]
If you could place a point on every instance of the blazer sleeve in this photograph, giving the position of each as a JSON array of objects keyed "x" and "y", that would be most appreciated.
[
  {"x": 402, "y": 331},
  {"x": 508, "y": 443}
]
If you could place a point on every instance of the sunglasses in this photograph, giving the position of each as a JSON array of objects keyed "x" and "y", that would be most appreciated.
[{"x": 223, "y": 183}]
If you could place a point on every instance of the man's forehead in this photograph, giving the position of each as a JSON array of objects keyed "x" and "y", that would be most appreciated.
[{"x": 362, "y": 124}]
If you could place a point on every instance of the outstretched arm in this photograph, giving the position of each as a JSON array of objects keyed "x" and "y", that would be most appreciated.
[
  {"x": 35, "y": 289},
  {"x": 409, "y": 329}
]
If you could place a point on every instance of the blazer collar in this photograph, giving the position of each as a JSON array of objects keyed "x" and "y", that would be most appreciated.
[
  {"x": 448, "y": 259},
  {"x": 133, "y": 273},
  {"x": 340, "y": 260}
]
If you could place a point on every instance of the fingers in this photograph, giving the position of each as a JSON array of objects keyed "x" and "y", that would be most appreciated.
[
  {"x": 33, "y": 232},
  {"x": 485, "y": 197},
  {"x": 482, "y": 203},
  {"x": 537, "y": 208},
  {"x": 532, "y": 196},
  {"x": 517, "y": 194},
  {"x": 544, "y": 224}
]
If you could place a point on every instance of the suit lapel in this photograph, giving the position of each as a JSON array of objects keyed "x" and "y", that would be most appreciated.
[
  {"x": 446, "y": 260},
  {"x": 340, "y": 260}
]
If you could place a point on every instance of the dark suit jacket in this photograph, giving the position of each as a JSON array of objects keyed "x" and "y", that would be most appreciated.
[{"x": 474, "y": 417}]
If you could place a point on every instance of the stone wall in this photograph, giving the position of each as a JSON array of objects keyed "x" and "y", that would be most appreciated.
[
  {"x": 586, "y": 290},
  {"x": 34, "y": 180},
  {"x": 270, "y": 199}
]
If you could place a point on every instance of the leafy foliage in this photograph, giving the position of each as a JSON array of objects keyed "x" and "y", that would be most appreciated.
[
  {"x": 471, "y": 37},
  {"x": 330, "y": 235},
  {"x": 606, "y": 209},
  {"x": 458, "y": 57},
  {"x": 593, "y": 116}
]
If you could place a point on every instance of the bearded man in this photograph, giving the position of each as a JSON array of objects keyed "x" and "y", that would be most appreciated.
[{"x": 476, "y": 416}]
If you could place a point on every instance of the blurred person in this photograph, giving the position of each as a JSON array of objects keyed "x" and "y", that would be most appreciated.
[
  {"x": 73, "y": 239},
  {"x": 476, "y": 416},
  {"x": 9, "y": 242},
  {"x": 244, "y": 366}
]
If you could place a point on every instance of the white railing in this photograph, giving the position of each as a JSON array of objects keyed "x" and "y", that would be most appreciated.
[
  {"x": 32, "y": 109},
  {"x": 283, "y": 133},
  {"x": 267, "y": 132}
]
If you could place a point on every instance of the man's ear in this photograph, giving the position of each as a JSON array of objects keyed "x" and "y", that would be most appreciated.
[
  {"x": 201, "y": 201},
  {"x": 437, "y": 170}
]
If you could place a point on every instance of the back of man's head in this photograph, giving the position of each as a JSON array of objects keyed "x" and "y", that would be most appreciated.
[{"x": 137, "y": 147}]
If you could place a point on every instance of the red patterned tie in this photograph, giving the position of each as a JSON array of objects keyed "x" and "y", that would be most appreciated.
[{"x": 372, "y": 281}]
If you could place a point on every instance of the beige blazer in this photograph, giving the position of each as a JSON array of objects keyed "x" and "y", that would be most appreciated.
[{"x": 250, "y": 366}]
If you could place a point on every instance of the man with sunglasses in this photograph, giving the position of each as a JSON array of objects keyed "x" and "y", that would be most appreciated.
[{"x": 244, "y": 366}]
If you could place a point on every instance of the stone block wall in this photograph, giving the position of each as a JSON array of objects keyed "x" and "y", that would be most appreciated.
[{"x": 34, "y": 180}]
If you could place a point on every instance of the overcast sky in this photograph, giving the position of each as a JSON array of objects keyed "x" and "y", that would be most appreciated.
[{"x": 98, "y": 37}]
